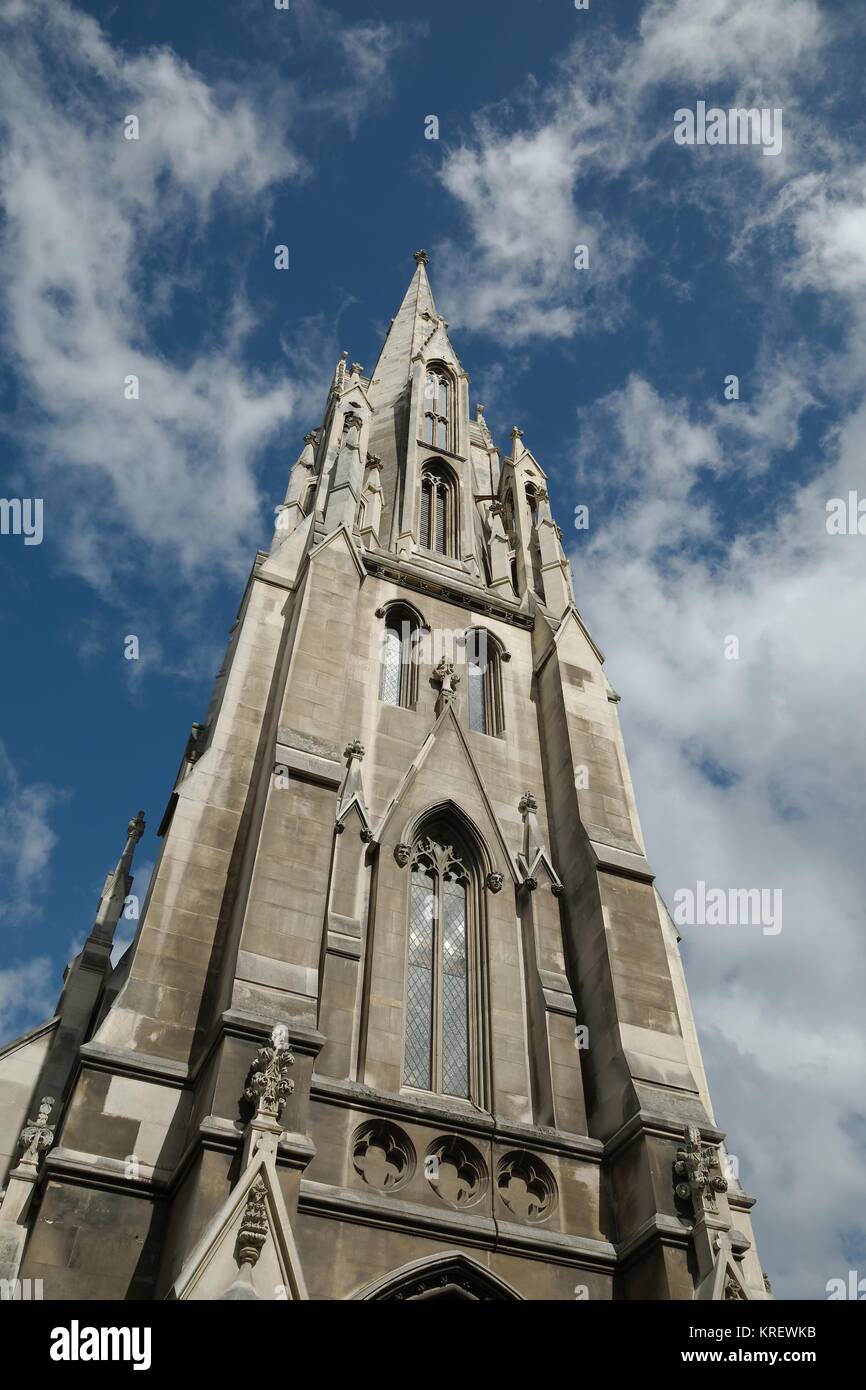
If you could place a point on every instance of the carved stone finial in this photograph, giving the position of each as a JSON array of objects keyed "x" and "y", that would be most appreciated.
[
  {"x": 254, "y": 1225},
  {"x": 527, "y": 803},
  {"x": 269, "y": 1085},
  {"x": 698, "y": 1164},
  {"x": 356, "y": 369},
  {"x": 312, "y": 437},
  {"x": 516, "y": 432},
  {"x": 421, "y": 258},
  {"x": 355, "y": 749},
  {"x": 447, "y": 679},
  {"x": 479, "y": 410},
  {"x": 374, "y": 461},
  {"x": 135, "y": 828},
  {"x": 37, "y": 1136}
]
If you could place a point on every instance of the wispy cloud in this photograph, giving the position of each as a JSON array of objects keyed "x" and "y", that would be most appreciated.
[
  {"x": 28, "y": 992},
  {"x": 26, "y": 843}
]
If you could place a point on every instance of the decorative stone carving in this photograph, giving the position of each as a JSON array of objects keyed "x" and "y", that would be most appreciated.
[
  {"x": 38, "y": 1135},
  {"x": 421, "y": 258},
  {"x": 403, "y": 853},
  {"x": 312, "y": 437},
  {"x": 526, "y": 1186},
  {"x": 698, "y": 1164},
  {"x": 355, "y": 749},
  {"x": 456, "y": 1171},
  {"x": 254, "y": 1225},
  {"x": 356, "y": 369},
  {"x": 494, "y": 882},
  {"x": 527, "y": 803},
  {"x": 382, "y": 1155},
  {"x": 446, "y": 678},
  {"x": 269, "y": 1086},
  {"x": 351, "y": 420}
]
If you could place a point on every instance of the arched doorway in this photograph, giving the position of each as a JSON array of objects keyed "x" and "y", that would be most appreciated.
[{"x": 451, "y": 1277}]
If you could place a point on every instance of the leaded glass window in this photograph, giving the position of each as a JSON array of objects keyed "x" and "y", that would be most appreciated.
[
  {"x": 398, "y": 682},
  {"x": 484, "y": 682},
  {"x": 436, "y": 1051}
]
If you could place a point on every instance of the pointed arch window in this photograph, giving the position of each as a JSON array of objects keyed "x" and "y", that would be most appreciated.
[
  {"x": 484, "y": 680},
  {"x": 441, "y": 967},
  {"x": 398, "y": 682},
  {"x": 438, "y": 394},
  {"x": 438, "y": 518}
]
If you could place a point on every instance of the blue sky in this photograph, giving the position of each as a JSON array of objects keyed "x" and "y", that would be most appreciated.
[{"x": 708, "y": 517}]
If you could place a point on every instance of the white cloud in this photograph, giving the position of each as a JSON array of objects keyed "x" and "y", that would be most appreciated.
[
  {"x": 26, "y": 842},
  {"x": 749, "y": 773},
  {"x": 532, "y": 179},
  {"x": 168, "y": 479},
  {"x": 28, "y": 992}
]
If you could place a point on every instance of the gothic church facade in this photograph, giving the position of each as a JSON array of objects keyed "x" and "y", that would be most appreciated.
[{"x": 405, "y": 1016}]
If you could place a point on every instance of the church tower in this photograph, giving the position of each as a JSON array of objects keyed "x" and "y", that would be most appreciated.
[{"x": 405, "y": 1015}]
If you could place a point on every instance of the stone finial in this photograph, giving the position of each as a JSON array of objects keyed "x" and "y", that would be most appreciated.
[
  {"x": 356, "y": 369},
  {"x": 421, "y": 258},
  {"x": 446, "y": 678},
  {"x": 374, "y": 461},
  {"x": 135, "y": 828},
  {"x": 269, "y": 1085},
  {"x": 37, "y": 1136},
  {"x": 527, "y": 803},
  {"x": 254, "y": 1225},
  {"x": 516, "y": 432},
  {"x": 312, "y": 437},
  {"x": 355, "y": 749},
  {"x": 479, "y": 411},
  {"x": 699, "y": 1167}
]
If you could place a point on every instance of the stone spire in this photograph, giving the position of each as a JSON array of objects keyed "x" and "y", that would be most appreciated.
[{"x": 415, "y": 320}]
